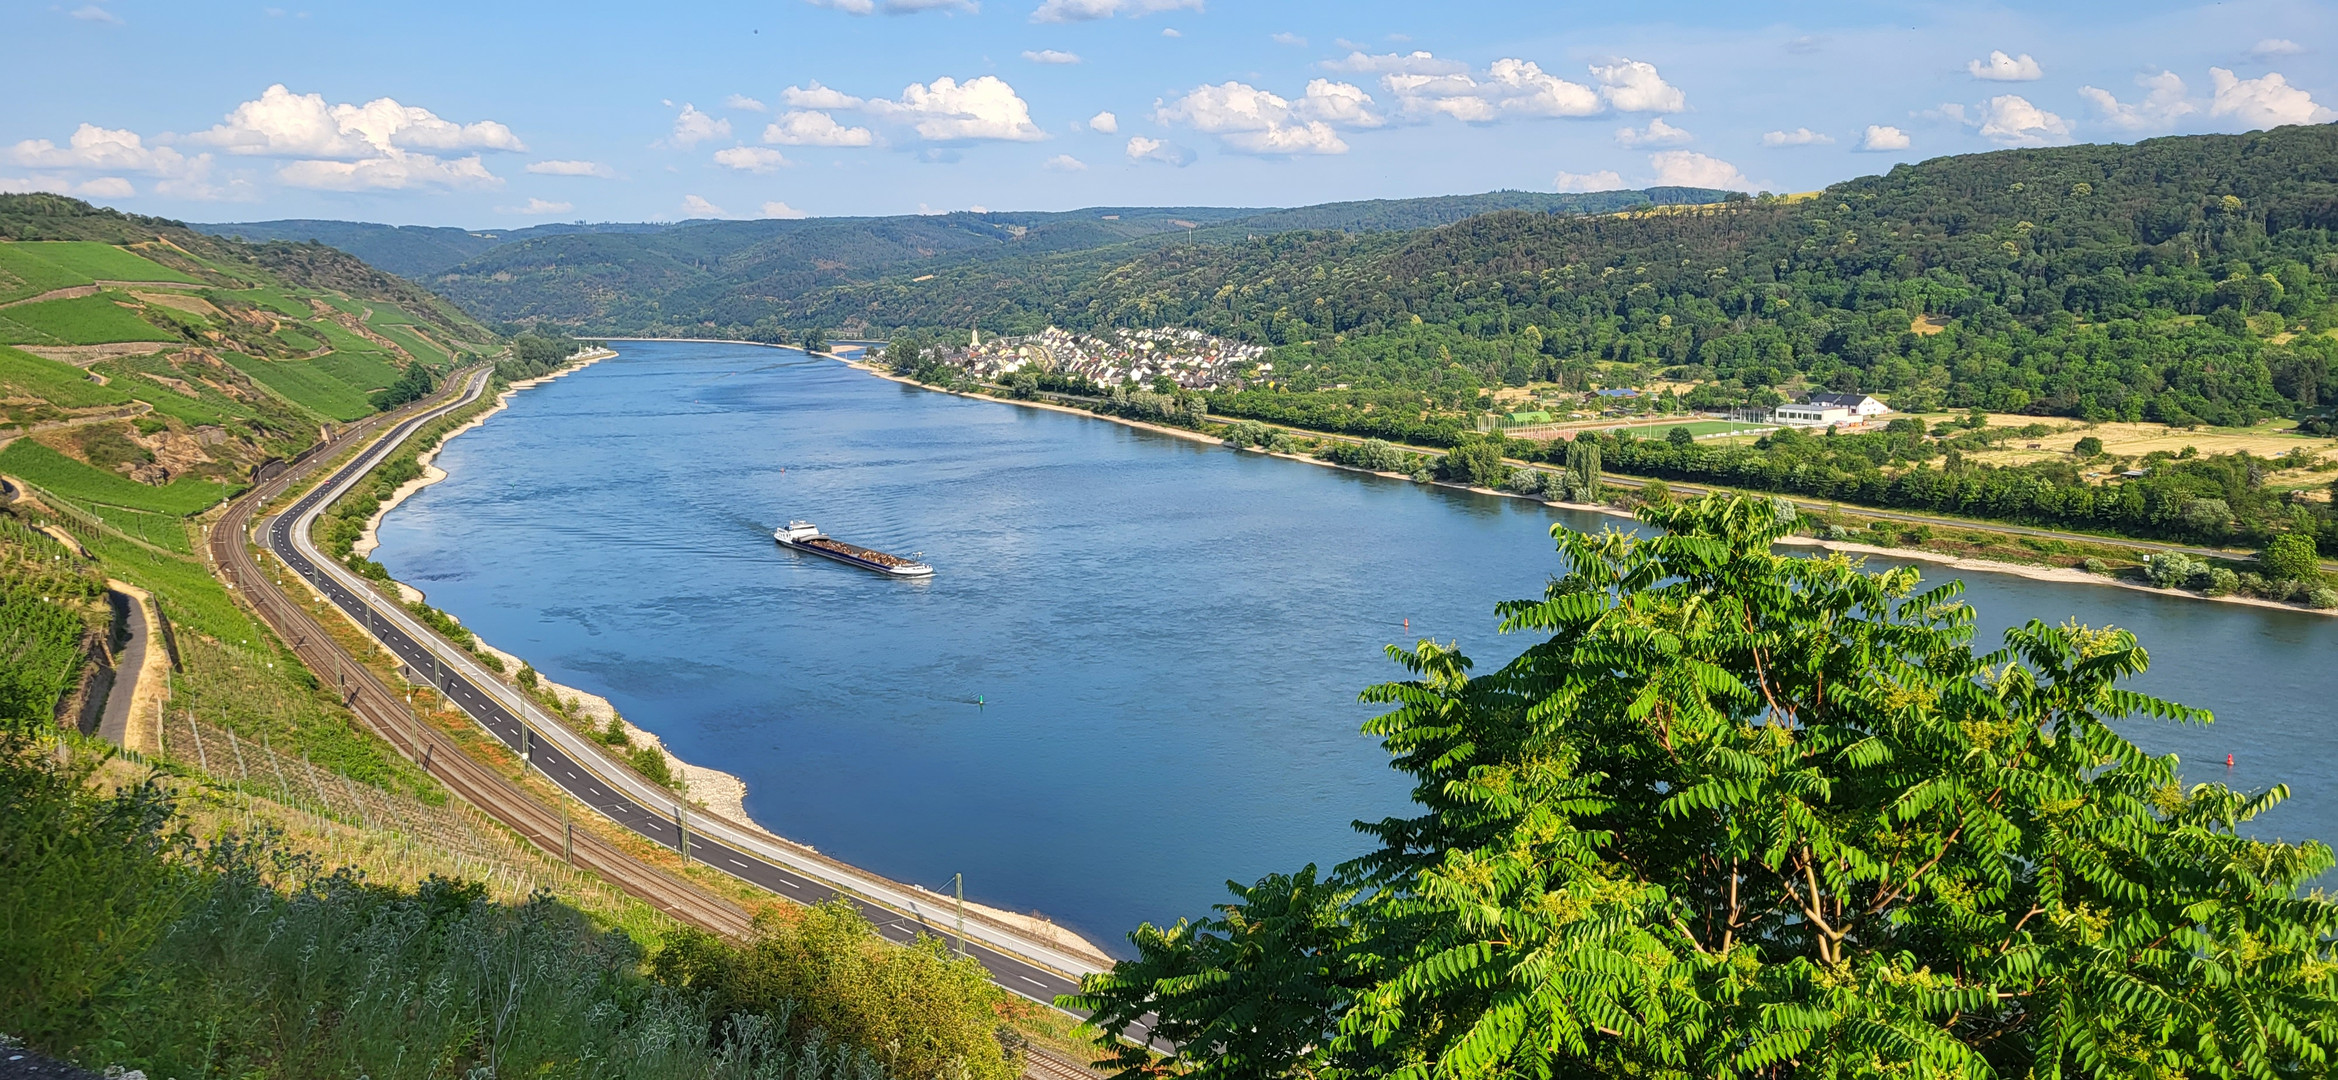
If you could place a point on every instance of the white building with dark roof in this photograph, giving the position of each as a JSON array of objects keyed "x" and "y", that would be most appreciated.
[{"x": 1829, "y": 409}]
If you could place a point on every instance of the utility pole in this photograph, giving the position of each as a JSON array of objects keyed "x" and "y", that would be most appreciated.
[
  {"x": 681, "y": 834},
  {"x": 959, "y": 881}
]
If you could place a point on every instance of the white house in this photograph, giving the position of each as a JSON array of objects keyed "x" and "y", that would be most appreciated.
[{"x": 1827, "y": 410}]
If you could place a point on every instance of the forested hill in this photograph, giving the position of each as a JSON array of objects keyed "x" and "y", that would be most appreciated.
[
  {"x": 730, "y": 275},
  {"x": 2180, "y": 279}
]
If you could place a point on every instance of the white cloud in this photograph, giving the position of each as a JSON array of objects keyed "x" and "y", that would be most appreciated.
[
  {"x": 2010, "y": 120},
  {"x": 106, "y": 187},
  {"x": 571, "y": 168},
  {"x": 389, "y": 173},
  {"x": 753, "y": 159},
  {"x": 1800, "y": 136},
  {"x": 849, "y": 7},
  {"x": 1425, "y": 86},
  {"x": 1687, "y": 168},
  {"x": 1065, "y": 163},
  {"x": 1414, "y": 63},
  {"x": 947, "y": 110},
  {"x": 811, "y": 127},
  {"x": 817, "y": 96},
  {"x": 2164, "y": 100},
  {"x": 1142, "y": 149},
  {"x": 1255, "y": 121},
  {"x": 2265, "y": 101},
  {"x": 1338, "y": 104},
  {"x": 1104, "y": 122},
  {"x": 1172, "y": 32},
  {"x": 2274, "y": 46},
  {"x": 1884, "y": 137},
  {"x": 693, "y": 127},
  {"x": 537, "y": 206},
  {"x": 912, "y": 7},
  {"x": 1526, "y": 90},
  {"x": 1603, "y": 180},
  {"x": 1657, "y": 133},
  {"x": 280, "y": 123},
  {"x": 108, "y": 150},
  {"x": 1287, "y": 38},
  {"x": 103, "y": 187},
  {"x": 1063, "y": 11},
  {"x": 1634, "y": 86},
  {"x": 94, "y": 13},
  {"x": 743, "y": 102},
  {"x": 2002, "y": 68},
  {"x": 697, "y": 207},
  {"x": 782, "y": 210},
  {"x": 1050, "y": 56}
]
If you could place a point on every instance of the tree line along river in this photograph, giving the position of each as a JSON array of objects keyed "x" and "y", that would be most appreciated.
[{"x": 1133, "y": 675}]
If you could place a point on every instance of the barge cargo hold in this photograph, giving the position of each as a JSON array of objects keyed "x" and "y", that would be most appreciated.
[{"x": 806, "y": 537}]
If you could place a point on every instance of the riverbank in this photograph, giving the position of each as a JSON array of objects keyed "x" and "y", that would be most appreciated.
[
  {"x": 370, "y": 539},
  {"x": 712, "y": 790},
  {"x": 2033, "y": 572}
]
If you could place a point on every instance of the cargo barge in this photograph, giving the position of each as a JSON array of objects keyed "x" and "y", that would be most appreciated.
[{"x": 804, "y": 536}]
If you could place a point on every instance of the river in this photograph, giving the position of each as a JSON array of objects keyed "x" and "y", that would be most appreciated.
[{"x": 1133, "y": 675}]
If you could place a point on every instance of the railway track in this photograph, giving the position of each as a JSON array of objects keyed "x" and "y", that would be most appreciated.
[
  {"x": 384, "y": 710},
  {"x": 1031, "y": 971}
]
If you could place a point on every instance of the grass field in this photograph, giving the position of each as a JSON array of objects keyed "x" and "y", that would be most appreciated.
[
  {"x": 87, "y": 320},
  {"x": 206, "y": 406},
  {"x": 364, "y": 372},
  {"x": 161, "y": 530},
  {"x": 305, "y": 384},
  {"x": 415, "y": 344},
  {"x": 276, "y": 300},
  {"x": 46, "y": 468},
  {"x": 90, "y": 261},
  {"x": 62, "y": 385}
]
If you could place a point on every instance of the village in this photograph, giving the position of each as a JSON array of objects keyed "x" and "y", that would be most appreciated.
[{"x": 1190, "y": 358}]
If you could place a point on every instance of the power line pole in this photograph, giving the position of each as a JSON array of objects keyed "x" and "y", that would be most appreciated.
[{"x": 959, "y": 882}]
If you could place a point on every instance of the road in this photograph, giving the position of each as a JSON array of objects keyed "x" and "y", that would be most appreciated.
[{"x": 570, "y": 761}]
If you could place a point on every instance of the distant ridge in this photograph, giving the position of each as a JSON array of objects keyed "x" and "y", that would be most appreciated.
[{"x": 421, "y": 252}]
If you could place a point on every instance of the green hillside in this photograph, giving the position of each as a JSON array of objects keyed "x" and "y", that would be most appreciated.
[
  {"x": 149, "y": 367},
  {"x": 2185, "y": 280},
  {"x": 730, "y": 276}
]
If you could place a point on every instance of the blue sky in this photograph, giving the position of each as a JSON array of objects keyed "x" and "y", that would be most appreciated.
[{"x": 504, "y": 113}]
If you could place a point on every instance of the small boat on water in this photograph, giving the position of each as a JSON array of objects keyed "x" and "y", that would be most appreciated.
[{"x": 805, "y": 536}]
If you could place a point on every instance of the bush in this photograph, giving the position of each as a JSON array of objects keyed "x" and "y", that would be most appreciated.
[
  {"x": 1680, "y": 438},
  {"x": 927, "y": 1014},
  {"x": 1476, "y": 462},
  {"x": 2088, "y": 447},
  {"x": 2094, "y": 566},
  {"x": 1656, "y": 492},
  {"x": 2291, "y": 557},
  {"x": 1248, "y": 433},
  {"x": 1526, "y": 481},
  {"x": 1378, "y": 455},
  {"x": 650, "y": 762},
  {"x": 2219, "y": 582},
  {"x": 2324, "y": 597},
  {"x": 2172, "y": 569}
]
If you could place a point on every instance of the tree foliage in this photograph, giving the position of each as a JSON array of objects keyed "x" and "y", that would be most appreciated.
[{"x": 1745, "y": 815}]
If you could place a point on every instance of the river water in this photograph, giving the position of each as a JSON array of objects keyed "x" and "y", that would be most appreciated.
[{"x": 1133, "y": 675}]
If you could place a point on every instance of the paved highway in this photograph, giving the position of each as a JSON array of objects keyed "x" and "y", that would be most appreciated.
[{"x": 1027, "y": 968}]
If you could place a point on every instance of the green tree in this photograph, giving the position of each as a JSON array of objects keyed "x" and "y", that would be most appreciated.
[
  {"x": 1680, "y": 438},
  {"x": 1476, "y": 462},
  {"x": 2291, "y": 557},
  {"x": 927, "y": 1014},
  {"x": 1583, "y": 464},
  {"x": 1746, "y": 815},
  {"x": 2088, "y": 447}
]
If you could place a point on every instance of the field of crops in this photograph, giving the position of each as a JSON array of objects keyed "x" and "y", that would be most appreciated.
[
  {"x": 415, "y": 344},
  {"x": 304, "y": 384},
  {"x": 62, "y": 385},
  {"x": 46, "y": 468},
  {"x": 91, "y": 261},
  {"x": 364, "y": 371},
  {"x": 85, "y": 320}
]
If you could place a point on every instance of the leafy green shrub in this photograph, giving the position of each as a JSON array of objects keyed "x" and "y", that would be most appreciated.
[
  {"x": 1679, "y": 836},
  {"x": 1378, "y": 455},
  {"x": 2088, "y": 447},
  {"x": 1248, "y": 433},
  {"x": 2291, "y": 557},
  {"x": 2219, "y": 582},
  {"x": 926, "y": 1014},
  {"x": 651, "y": 762},
  {"x": 2172, "y": 569},
  {"x": 2094, "y": 566},
  {"x": 2324, "y": 598}
]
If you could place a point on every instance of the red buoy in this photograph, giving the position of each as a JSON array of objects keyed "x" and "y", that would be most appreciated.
[{"x": 2228, "y": 761}]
